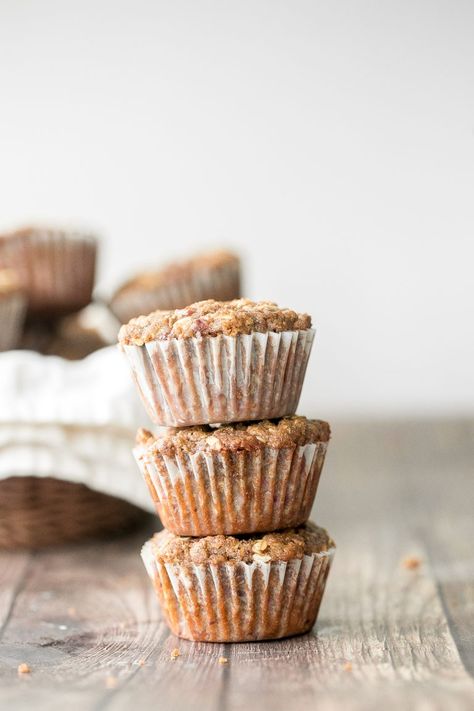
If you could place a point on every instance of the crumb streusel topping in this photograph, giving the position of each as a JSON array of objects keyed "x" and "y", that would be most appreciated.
[
  {"x": 269, "y": 547},
  {"x": 289, "y": 431},
  {"x": 213, "y": 318}
]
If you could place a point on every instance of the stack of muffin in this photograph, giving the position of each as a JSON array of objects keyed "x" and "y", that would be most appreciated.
[{"x": 237, "y": 560}]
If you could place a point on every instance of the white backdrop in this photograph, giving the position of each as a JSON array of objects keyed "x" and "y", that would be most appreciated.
[{"x": 331, "y": 142}]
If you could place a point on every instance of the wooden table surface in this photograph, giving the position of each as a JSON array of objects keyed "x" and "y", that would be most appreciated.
[{"x": 85, "y": 620}]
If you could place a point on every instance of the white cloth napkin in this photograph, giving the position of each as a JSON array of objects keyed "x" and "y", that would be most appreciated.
[{"x": 72, "y": 420}]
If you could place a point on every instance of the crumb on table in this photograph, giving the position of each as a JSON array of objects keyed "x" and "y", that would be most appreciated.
[
  {"x": 411, "y": 562},
  {"x": 175, "y": 653},
  {"x": 223, "y": 660},
  {"x": 23, "y": 668}
]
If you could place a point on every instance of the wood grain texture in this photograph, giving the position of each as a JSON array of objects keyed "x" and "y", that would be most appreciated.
[{"x": 85, "y": 620}]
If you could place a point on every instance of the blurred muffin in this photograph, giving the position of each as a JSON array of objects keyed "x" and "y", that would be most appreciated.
[
  {"x": 234, "y": 479},
  {"x": 219, "y": 362},
  {"x": 226, "y": 589},
  {"x": 37, "y": 336},
  {"x": 214, "y": 275},
  {"x": 72, "y": 337},
  {"x": 12, "y": 309},
  {"x": 55, "y": 268}
]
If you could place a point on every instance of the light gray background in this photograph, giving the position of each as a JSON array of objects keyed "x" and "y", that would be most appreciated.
[{"x": 331, "y": 142}]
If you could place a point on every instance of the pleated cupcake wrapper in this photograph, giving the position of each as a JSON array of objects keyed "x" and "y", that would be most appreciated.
[
  {"x": 221, "y": 379},
  {"x": 55, "y": 268},
  {"x": 235, "y": 602},
  {"x": 221, "y": 283},
  {"x": 12, "y": 315},
  {"x": 209, "y": 493}
]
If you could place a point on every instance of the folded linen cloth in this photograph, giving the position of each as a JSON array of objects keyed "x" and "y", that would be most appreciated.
[{"x": 72, "y": 420}]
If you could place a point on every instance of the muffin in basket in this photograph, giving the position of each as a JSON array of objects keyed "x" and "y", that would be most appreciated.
[
  {"x": 234, "y": 479},
  {"x": 226, "y": 589},
  {"x": 218, "y": 362},
  {"x": 55, "y": 268},
  {"x": 214, "y": 275},
  {"x": 12, "y": 309}
]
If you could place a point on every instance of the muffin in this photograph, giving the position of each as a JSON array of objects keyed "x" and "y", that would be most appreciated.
[
  {"x": 55, "y": 268},
  {"x": 226, "y": 589},
  {"x": 12, "y": 309},
  {"x": 215, "y": 275},
  {"x": 73, "y": 340},
  {"x": 217, "y": 362},
  {"x": 234, "y": 479},
  {"x": 67, "y": 337}
]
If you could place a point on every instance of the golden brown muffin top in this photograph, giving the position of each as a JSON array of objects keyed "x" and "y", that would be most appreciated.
[
  {"x": 177, "y": 271},
  {"x": 265, "y": 547},
  {"x": 289, "y": 431},
  {"x": 213, "y": 318}
]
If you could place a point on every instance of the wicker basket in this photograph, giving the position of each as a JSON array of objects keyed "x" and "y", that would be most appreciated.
[{"x": 36, "y": 512}]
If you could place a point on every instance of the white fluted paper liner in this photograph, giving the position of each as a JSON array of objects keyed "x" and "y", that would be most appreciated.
[
  {"x": 12, "y": 314},
  {"x": 195, "y": 381},
  {"x": 236, "y": 602},
  {"x": 220, "y": 282},
  {"x": 208, "y": 493},
  {"x": 72, "y": 420}
]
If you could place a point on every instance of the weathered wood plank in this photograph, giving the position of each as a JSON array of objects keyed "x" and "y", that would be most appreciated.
[
  {"x": 386, "y": 621},
  {"x": 83, "y": 612},
  {"x": 454, "y": 575},
  {"x": 86, "y": 621},
  {"x": 13, "y": 572}
]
